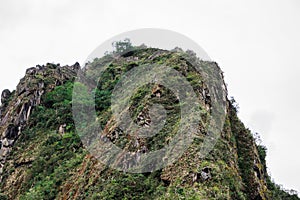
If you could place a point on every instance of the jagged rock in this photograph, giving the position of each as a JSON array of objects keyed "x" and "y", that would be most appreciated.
[
  {"x": 62, "y": 129},
  {"x": 4, "y": 151},
  {"x": 205, "y": 173},
  {"x": 5, "y": 96},
  {"x": 6, "y": 142},
  {"x": 11, "y": 132},
  {"x": 156, "y": 91},
  {"x": 31, "y": 70},
  {"x": 36, "y": 82},
  {"x": 75, "y": 67}
]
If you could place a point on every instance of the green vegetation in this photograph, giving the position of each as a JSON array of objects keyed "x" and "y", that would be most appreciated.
[
  {"x": 52, "y": 157},
  {"x": 246, "y": 155},
  {"x": 122, "y": 46},
  {"x": 275, "y": 191},
  {"x": 48, "y": 164}
]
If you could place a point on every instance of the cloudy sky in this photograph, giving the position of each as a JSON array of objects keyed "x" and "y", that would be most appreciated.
[{"x": 256, "y": 43}]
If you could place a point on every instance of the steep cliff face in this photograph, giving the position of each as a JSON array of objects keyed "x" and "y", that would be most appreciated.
[
  {"x": 43, "y": 158},
  {"x": 17, "y": 106}
]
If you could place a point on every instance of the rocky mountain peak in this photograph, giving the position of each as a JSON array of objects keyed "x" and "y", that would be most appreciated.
[
  {"x": 43, "y": 157},
  {"x": 17, "y": 105}
]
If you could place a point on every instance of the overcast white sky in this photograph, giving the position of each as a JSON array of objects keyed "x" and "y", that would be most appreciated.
[{"x": 256, "y": 43}]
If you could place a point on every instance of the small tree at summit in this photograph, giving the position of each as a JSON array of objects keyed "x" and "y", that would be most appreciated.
[{"x": 122, "y": 46}]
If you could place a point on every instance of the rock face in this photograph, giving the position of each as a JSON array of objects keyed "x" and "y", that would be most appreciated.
[
  {"x": 42, "y": 157},
  {"x": 5, "y": 96},
  {"x": 16, "y": 107}
]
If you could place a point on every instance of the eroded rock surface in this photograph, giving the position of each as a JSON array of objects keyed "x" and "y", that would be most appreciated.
[{"x": 17, "y": 106}]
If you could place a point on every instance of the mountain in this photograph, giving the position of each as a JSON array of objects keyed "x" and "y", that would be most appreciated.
[{"x": 43, "y": 156}]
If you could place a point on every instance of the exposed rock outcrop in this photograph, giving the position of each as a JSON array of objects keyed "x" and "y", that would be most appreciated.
[
  {"x": 5, "y": 96},
  {"x": 17, "y": 106}
]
